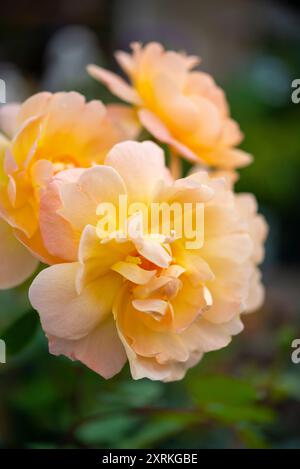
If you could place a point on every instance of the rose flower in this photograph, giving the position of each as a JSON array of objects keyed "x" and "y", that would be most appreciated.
[
  {"x": 177, "y": 104},
  {"x": 45, "y": 135},
  {"x": 154, "y": 301}
]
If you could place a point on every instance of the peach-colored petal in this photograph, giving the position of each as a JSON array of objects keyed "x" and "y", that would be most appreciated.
[
  {"x": 229, "y": 158},
  {"x": 41, "y": 173},
  {"x": 145, "y": 367},
  {"x": 160, "y": 131},
  {"x": 125, "y": 118},
  {"x": 95, "y": 185},
  {"x": 36, "y": 247},
  {"x": 126, "y": 61},
  {"x": 133, "y": 272},
  {"x": 97, "y": 258},
  {"x": 179, "y": 106},
  {"x": 152, "y": 306},
  {"x": 206, "y": 336},
  {"x": 36, "y": 105},
  {"x": 101, "y": 350},
  {"x": 154, "y": 252},
  {"x": 233, "y": 327},
  {"x": 202, "y": 84},
  {"x": 64, "y": 313},
  {"x": 114, "y": 83},
  {"x": 256, "y": 294},
  {"x": 142, "y": 162},
  {"x": 16, "y": 264},
  {"x": 236, "y": 246},
  {"x": 189, "y": 304},
  {"x": 60, "y": 238}
]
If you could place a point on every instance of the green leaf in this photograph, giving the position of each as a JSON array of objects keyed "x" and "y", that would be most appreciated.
[
  {"x": 221, "y": 389},
  {"x": 230, "y": 413},
  {"x": 252, "y": 437},
  {"x": 157, "y": 429},
  {"x": 20, "y": 334},
  {"x": 133, "y": 394},
  {"x": 106, "y": 429}
]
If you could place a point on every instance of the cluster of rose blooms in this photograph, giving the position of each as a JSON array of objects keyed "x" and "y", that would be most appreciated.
[{"x": 151, "y": 302}]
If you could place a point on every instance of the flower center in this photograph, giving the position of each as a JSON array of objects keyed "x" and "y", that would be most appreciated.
[{"x": 63, "y": 162}]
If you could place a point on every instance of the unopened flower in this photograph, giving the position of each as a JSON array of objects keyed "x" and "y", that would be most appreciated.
[
  {"x": 178, "y": 105},
  {"x": 149, "y": 300},
  {"x": 45, "y": 135}
]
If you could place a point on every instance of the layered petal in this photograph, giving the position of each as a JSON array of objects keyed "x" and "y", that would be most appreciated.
[
  {"x": 16, "y": 263},
  {"x": 148, "y": 295},
  {"x": 178, "y": 105},
  {"x": 101, "y": 350},
  {"x": 63, "y": 311},
  {"x": 52, "y": 134}
]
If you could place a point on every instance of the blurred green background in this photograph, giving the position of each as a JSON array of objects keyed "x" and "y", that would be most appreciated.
[{"x": 248, "y": 395}]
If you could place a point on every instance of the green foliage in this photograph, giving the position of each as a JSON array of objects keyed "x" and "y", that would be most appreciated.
[{"x": 21, "y": 333}]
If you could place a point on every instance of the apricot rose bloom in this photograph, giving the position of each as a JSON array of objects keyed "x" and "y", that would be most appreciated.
[
  {"x": 44, "y": 135},
  {"x": 153, "y": 302},
  {"x": 177, "y": 104}
]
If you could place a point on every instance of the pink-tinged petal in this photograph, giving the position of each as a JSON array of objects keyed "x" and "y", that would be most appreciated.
[
  {"x": 126, "y": 61},
  {"x": 101, "y": 350},
  {"x": 206, "y": 336},
  {"x": 230, "y": 177},
  {"x": 99, "y": 184},
  {"x": 60, "y": 238},
  {"x": 36, "y": 105},
  {"x": 36, "y": 246},
  {"x": 258, "y": 228},
  {"x": 148, "y": 367},
  {"x": 256, "y": 294},
  {"x": 8, "y": 119},
  {"x": 125, "y": 119},
  {"x": 148, "y": 58},
  {"x": 231, "y": 133},
  {"x": 64, "y": 313},
  {"x": 223, "y": 309},
  {"x": 189, "y": 304},
  {"x": 188, "y": 190},
  {"x": 115, "y": 84},
  {"x": 209, "y": 122},
  {"x": 142, "y": 162},
  {"x": 16, "y": 262},
  {"x": 156, "y": 127},
  {"x": 236, "y": 247},
  {"x": 202, "y": 84},
  {"x": 41, "y": 173},
  {"x": 10, "y": 165},
  {"x": 182, "y": 113},
  {"x": 233, "y": 327},
  {"x": 229, "y": 289},
  {"x": 142, "y": 367}
]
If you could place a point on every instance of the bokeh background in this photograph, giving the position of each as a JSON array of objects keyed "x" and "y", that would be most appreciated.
[{"x": 249, "y": 394}]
